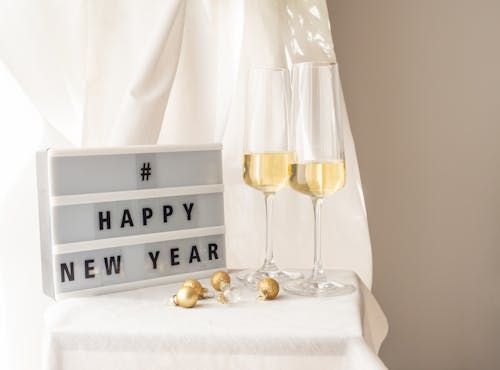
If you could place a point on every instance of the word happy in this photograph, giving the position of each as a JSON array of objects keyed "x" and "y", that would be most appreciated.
[{"x": 127, "y": 220}]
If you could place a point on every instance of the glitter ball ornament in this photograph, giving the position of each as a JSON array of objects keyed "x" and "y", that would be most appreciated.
[
  {"x": 186, "y": 297},
  {"x": 220, "y": 280},
  {"x": 268, "y": 289},
  {"x": 196, "y": 285}
]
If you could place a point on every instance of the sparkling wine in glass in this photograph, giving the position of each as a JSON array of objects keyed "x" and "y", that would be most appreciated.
[
  {"x": 319, "y": 168},
  {"x": 267, "y": 155}
]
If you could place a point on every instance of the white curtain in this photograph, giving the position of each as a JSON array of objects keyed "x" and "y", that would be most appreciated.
[{"x": 121, "y": 72}]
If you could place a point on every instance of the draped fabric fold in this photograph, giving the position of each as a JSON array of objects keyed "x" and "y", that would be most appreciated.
[{"x": 125, "y": 72}]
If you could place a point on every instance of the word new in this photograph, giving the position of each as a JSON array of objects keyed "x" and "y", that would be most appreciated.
[
  {"x": 113, "y": 264},
  {"x": 146, "y": 214}
]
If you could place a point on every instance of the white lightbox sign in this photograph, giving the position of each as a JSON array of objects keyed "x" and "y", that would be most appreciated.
[{"x": 122, "y": 218}]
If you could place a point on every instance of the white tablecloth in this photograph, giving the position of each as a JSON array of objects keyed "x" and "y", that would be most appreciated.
[{"x": 139, "y": 330}]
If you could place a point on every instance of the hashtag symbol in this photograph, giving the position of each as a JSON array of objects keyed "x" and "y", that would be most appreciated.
[{"x": 145, "y": 171}]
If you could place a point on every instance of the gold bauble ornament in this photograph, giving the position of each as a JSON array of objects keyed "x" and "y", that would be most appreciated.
[
  {"x": 268, "y": 289},
  {"x": 220, "y": 280},
  {"x": 196, "y": 285},
  {"x": 186, "y": 297}
]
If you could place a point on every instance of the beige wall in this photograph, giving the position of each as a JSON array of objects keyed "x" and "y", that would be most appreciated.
[{"x": 422, "y": 85}]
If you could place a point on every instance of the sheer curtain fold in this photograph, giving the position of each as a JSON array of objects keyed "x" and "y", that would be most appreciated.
[
  {"x": 120, "y": 73},
  {"x": 125, "y": 72}
]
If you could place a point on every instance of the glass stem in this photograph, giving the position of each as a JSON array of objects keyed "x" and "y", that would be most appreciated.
[
  {"x": 317, "y": 273},
  {"x": 269, "y": 264}
]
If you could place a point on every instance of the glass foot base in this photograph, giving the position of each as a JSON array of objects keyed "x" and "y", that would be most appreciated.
[
  {"x": 310, "y": 288},
  {"x": 251, "y": 278}
]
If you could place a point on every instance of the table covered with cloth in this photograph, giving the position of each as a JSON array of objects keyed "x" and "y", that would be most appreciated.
[{"x": 138, "y": 329}]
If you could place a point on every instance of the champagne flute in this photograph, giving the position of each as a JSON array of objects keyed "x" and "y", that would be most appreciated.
[
  {"x": 319, "y": 169},
  {"x": 267, "y": 155}
]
